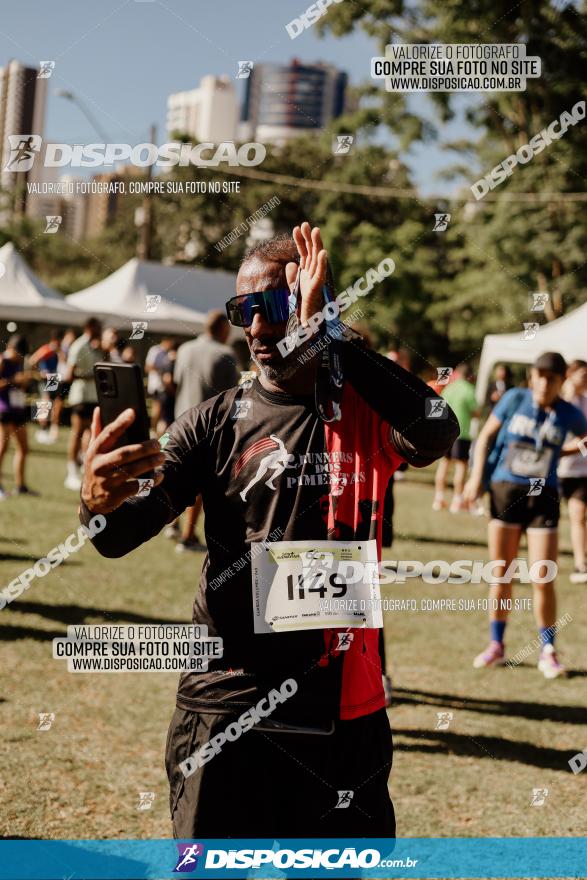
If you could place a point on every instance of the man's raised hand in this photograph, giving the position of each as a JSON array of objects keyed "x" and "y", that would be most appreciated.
[{"x": 313, "y": 263}]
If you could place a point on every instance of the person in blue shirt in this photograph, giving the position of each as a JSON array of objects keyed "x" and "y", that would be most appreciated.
[{"x": 517, "y": 454}]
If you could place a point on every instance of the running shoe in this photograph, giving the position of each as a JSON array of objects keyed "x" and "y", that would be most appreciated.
[
  {"x": 172, "y": 532},
  {"x": 477, "y": 509},
  {"x": 3, "y": 494},
  {"x": 494, "y": 655},
  {"x": 24, "y": 490},
  {"x": 549, "y": 664},
  {"x": 579, "y": 576},
  {"x": 439, "y": 504},
  {"x": 73, "y": 482},
  {"x": 191, "y": 546},
  {"x": 457, "y": 505}
]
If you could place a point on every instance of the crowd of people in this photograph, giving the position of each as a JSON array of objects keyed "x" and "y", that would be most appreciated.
[
  {"x": 61, "y": 371},
  {"x": 262, "y": 457}
]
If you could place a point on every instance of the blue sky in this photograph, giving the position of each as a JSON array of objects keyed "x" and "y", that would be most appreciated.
[{"x": 124, "y": 57}]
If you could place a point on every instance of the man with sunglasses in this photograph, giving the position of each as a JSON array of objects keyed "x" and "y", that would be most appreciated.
[{"x": 299, "y": 458}]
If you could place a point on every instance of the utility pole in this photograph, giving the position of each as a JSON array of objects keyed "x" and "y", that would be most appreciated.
[{"x": 146, "y": 232}]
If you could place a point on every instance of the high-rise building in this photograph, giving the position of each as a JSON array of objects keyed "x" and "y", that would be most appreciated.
[
  {"x": 22, "y": 112},
  {"x": 208, "y": 113},
  {"x": 284, "y": 101}
]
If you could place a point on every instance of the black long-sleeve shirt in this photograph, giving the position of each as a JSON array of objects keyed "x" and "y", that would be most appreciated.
[{"x": 269, "y": 469}]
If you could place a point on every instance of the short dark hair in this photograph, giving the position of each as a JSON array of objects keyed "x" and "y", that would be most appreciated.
[
  {"x": 576, "y": 365},
  {"x": 279, "y": 249},
  {"x": 215, "y": 320},
  {"x": 92, "y": 324}
]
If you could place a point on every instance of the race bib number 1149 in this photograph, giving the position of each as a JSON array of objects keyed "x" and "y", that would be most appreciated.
[{"x": 299, "y": 585}]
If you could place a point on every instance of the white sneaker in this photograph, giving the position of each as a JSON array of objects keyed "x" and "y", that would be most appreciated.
[
  {"x": 3, "y": 494},
  {"x": 73, "y": 482},
  {"x": 578, "y": 576},
  {"x": 42, "y": 437},
  {"x": 549, "y": 664},
  {"x": 457, "y": 505}
]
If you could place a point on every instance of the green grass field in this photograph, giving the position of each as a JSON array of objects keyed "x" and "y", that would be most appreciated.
[{"x": 512, "y": 731}]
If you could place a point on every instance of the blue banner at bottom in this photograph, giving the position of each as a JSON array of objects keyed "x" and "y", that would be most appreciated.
[{"x": 544, "y": 857}]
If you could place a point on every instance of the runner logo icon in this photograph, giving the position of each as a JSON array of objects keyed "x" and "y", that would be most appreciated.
[
  {"x": 277, "y": 460},
  {"x": 188, "y": 854},
  {"x": 23, "y": 148}
]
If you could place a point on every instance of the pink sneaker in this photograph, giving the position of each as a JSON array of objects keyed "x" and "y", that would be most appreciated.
[
  {"x": 494, "y": 655},
  {"x": 548, "y": 663}
]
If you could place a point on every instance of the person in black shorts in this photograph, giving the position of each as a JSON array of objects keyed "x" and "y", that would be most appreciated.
[
  {"x": 13, "y": 410},
  {"x": 528, "y": 428}
]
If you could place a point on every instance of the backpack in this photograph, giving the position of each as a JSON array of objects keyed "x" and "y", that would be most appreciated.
[{"x": 499, "y": 441}]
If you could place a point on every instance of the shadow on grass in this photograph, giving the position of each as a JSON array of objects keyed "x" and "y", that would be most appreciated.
[
  {"x": 29, "y": 557},
  {"x": 73, "y": 614},
  {"x": 492, "y": 747},
  {"x": 457, "y": 542},
  {"x": 531, "y": 711}
]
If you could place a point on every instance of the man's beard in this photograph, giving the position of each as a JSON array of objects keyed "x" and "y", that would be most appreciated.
[
  {"x": 287, "y": 366},
  {"x": 280, "y": 372}
]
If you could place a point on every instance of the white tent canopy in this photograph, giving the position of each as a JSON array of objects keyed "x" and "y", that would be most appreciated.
[
  {"x": 186, "y": 296},
  {"x": 24, "y": 297},
  {"x": 567, "y": 335}
]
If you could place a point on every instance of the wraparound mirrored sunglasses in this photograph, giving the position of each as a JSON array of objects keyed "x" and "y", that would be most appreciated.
[{"x": 275, "y": 306}]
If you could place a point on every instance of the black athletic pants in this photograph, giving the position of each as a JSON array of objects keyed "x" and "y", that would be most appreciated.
[{"x": 282, "y": 785}]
